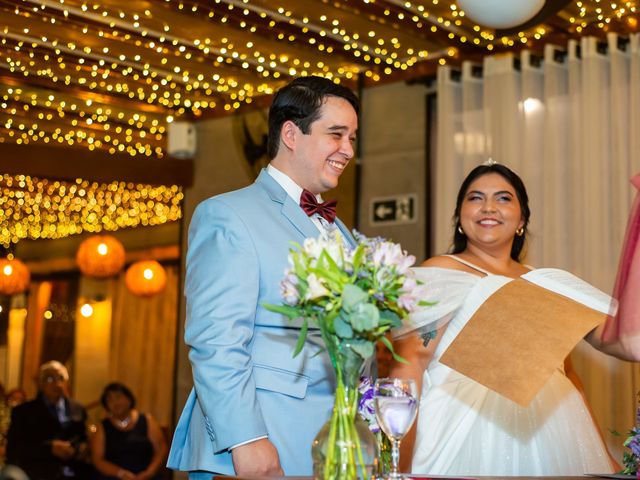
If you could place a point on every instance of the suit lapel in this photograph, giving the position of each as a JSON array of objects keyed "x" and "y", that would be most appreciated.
[
  {"x": 346, "y": 233},
  {"x": 292, "y": 211},
  {"x": 289, "y": 209}
]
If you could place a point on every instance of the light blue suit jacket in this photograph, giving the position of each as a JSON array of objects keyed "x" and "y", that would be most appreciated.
[{"x": 246, "y": 382}]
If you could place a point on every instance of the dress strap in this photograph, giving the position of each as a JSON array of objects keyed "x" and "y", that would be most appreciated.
[{"x": 468, "y": 264}]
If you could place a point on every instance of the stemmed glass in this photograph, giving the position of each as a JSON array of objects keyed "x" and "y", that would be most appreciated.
[{"x": 396, "y": 405}]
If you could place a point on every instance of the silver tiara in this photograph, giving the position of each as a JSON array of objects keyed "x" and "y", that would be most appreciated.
[{"x": 489, "y": 162}]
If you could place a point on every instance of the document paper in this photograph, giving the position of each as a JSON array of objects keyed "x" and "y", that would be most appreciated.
[{"x": 523, "y": 332}]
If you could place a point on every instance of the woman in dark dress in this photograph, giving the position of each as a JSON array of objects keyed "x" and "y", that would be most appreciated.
[{"x": 127, "y": 444}]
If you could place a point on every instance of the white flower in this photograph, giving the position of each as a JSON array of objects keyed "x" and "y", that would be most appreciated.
[
  {"x": 316, "y": 288},
  {"x": 336, "y": 252},
  {"x": 312, "y": 248}
]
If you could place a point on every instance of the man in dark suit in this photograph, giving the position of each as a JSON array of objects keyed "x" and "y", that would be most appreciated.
[{"x": 47, "y": 436}]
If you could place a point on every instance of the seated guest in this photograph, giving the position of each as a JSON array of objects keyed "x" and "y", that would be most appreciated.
[
  {"x": 16, "y": 396},
  {"x": 127, "y": 444},
  {"x": 47, "y": 436}
]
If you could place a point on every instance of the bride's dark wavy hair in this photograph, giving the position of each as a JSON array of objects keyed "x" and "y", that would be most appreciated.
[{"x": 460, "y": 239}]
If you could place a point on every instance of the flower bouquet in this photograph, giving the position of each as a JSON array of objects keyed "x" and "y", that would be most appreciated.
[
  {"x": 354, "y": 296},
  {"x": 631, "y": 457}
]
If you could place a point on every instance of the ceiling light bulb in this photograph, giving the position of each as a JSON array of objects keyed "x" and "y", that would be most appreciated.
[{"x": 501, "y": 13}]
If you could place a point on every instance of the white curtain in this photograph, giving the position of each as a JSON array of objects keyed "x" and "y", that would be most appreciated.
[{"x": 569, "y": 124}]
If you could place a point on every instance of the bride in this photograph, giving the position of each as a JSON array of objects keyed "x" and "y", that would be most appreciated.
[{"x": 463, "y": 428}]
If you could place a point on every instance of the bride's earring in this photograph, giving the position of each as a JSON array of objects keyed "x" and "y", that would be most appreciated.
[
  {"x": 460, "y": 230},
  {"x": 520, "y": 231}
]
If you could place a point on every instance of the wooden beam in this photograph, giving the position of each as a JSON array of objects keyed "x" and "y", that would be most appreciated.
[
  {"x": 70, "y": 163},
  {"x": 117, "y": 100}
]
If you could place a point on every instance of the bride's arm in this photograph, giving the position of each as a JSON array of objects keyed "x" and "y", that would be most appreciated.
[
  {"x": 418, "y": 356},
  {"x": 625, "y": 347}
]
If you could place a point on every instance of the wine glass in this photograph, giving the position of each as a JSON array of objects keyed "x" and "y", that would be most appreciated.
[{"x": 396, "y": 405}]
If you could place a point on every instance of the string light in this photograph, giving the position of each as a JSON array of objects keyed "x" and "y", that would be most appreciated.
[
  {"x": 134, "y": 69},
  {"x": 36, "y": 208}
]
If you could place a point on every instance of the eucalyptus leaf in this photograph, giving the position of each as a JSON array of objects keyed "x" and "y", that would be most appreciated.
[
  {"x": 365, "y": 317},
  {"x": 350, "y": 361},
  {"x": 389, "y": 317},
  {"x": 363, "y": 348},
  {"x": 353, "y": 295},
  {"x": 342, "y": 328}
]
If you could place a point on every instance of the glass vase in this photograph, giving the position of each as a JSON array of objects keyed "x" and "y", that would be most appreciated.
[
  {"x": 384, "y": 455},
  {"x": 344, "y": 448}
]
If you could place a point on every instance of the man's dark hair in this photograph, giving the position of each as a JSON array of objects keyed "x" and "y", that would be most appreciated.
[{"x": 300, "y": 102}]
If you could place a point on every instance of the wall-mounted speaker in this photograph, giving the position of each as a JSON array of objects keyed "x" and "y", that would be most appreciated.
[{"x": 181, "y": 141}]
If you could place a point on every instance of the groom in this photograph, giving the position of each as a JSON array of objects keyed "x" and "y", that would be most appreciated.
[{"x": 254, "y": 409}]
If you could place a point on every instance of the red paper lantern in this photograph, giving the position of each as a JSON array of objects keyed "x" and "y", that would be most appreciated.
[
  {"x": 145, "y": 278},
  {"x": 14, "y": 276},
  {"x": 100, "y": 256}
]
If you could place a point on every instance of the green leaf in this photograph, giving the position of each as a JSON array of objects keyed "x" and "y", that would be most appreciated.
[
  {"x": 352, "y": 295},
  {"x": 424, "y": 303},
  {"x": 365, "y": 317},
  {"x": 342, "y": 328},
  {"x": 334, "y": 280},
  {"x": 357, "y": 258},
  {"x": 299, "y": 267},
  {"x": 396, "y": 357},
  {"x": 301, "y": 338},
  {"x": 363, "y": 348},
  {"x": 331, "y": 263},
  {"x": 286, "y": 310},
  {"x": 389, "y": 317},
  {"x": 326, "y": 321}
]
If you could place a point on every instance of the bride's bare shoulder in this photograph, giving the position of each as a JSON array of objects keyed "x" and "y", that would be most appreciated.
[{"x": 443, "y": 261}]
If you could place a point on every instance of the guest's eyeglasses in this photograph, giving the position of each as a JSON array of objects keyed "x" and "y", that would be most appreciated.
[{"x": 54, "y": 378}]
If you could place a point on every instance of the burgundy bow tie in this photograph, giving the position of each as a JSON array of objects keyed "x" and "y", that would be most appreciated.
[{"x": 310, "y": 205}]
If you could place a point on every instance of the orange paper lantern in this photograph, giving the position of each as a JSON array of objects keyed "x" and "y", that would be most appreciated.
[
  {"x": 100, "y": 256},
  {"x": 145, "y": 278},
  {"x": 14, "y": 276}
]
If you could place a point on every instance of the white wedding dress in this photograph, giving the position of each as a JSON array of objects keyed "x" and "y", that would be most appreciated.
[{"x": 466, "y": 429}]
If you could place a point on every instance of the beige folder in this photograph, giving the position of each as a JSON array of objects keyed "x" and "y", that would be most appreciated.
[{"x": 518, "y": 337}]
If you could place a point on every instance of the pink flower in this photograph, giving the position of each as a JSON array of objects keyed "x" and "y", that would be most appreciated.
[
  {"x": 289, "y": 288},
  {"x": 411, "y": 293},
  {"x": 391, "y": 255}
]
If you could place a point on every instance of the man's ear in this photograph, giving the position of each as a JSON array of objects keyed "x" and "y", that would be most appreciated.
[{"x": 288, "y": 134}]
